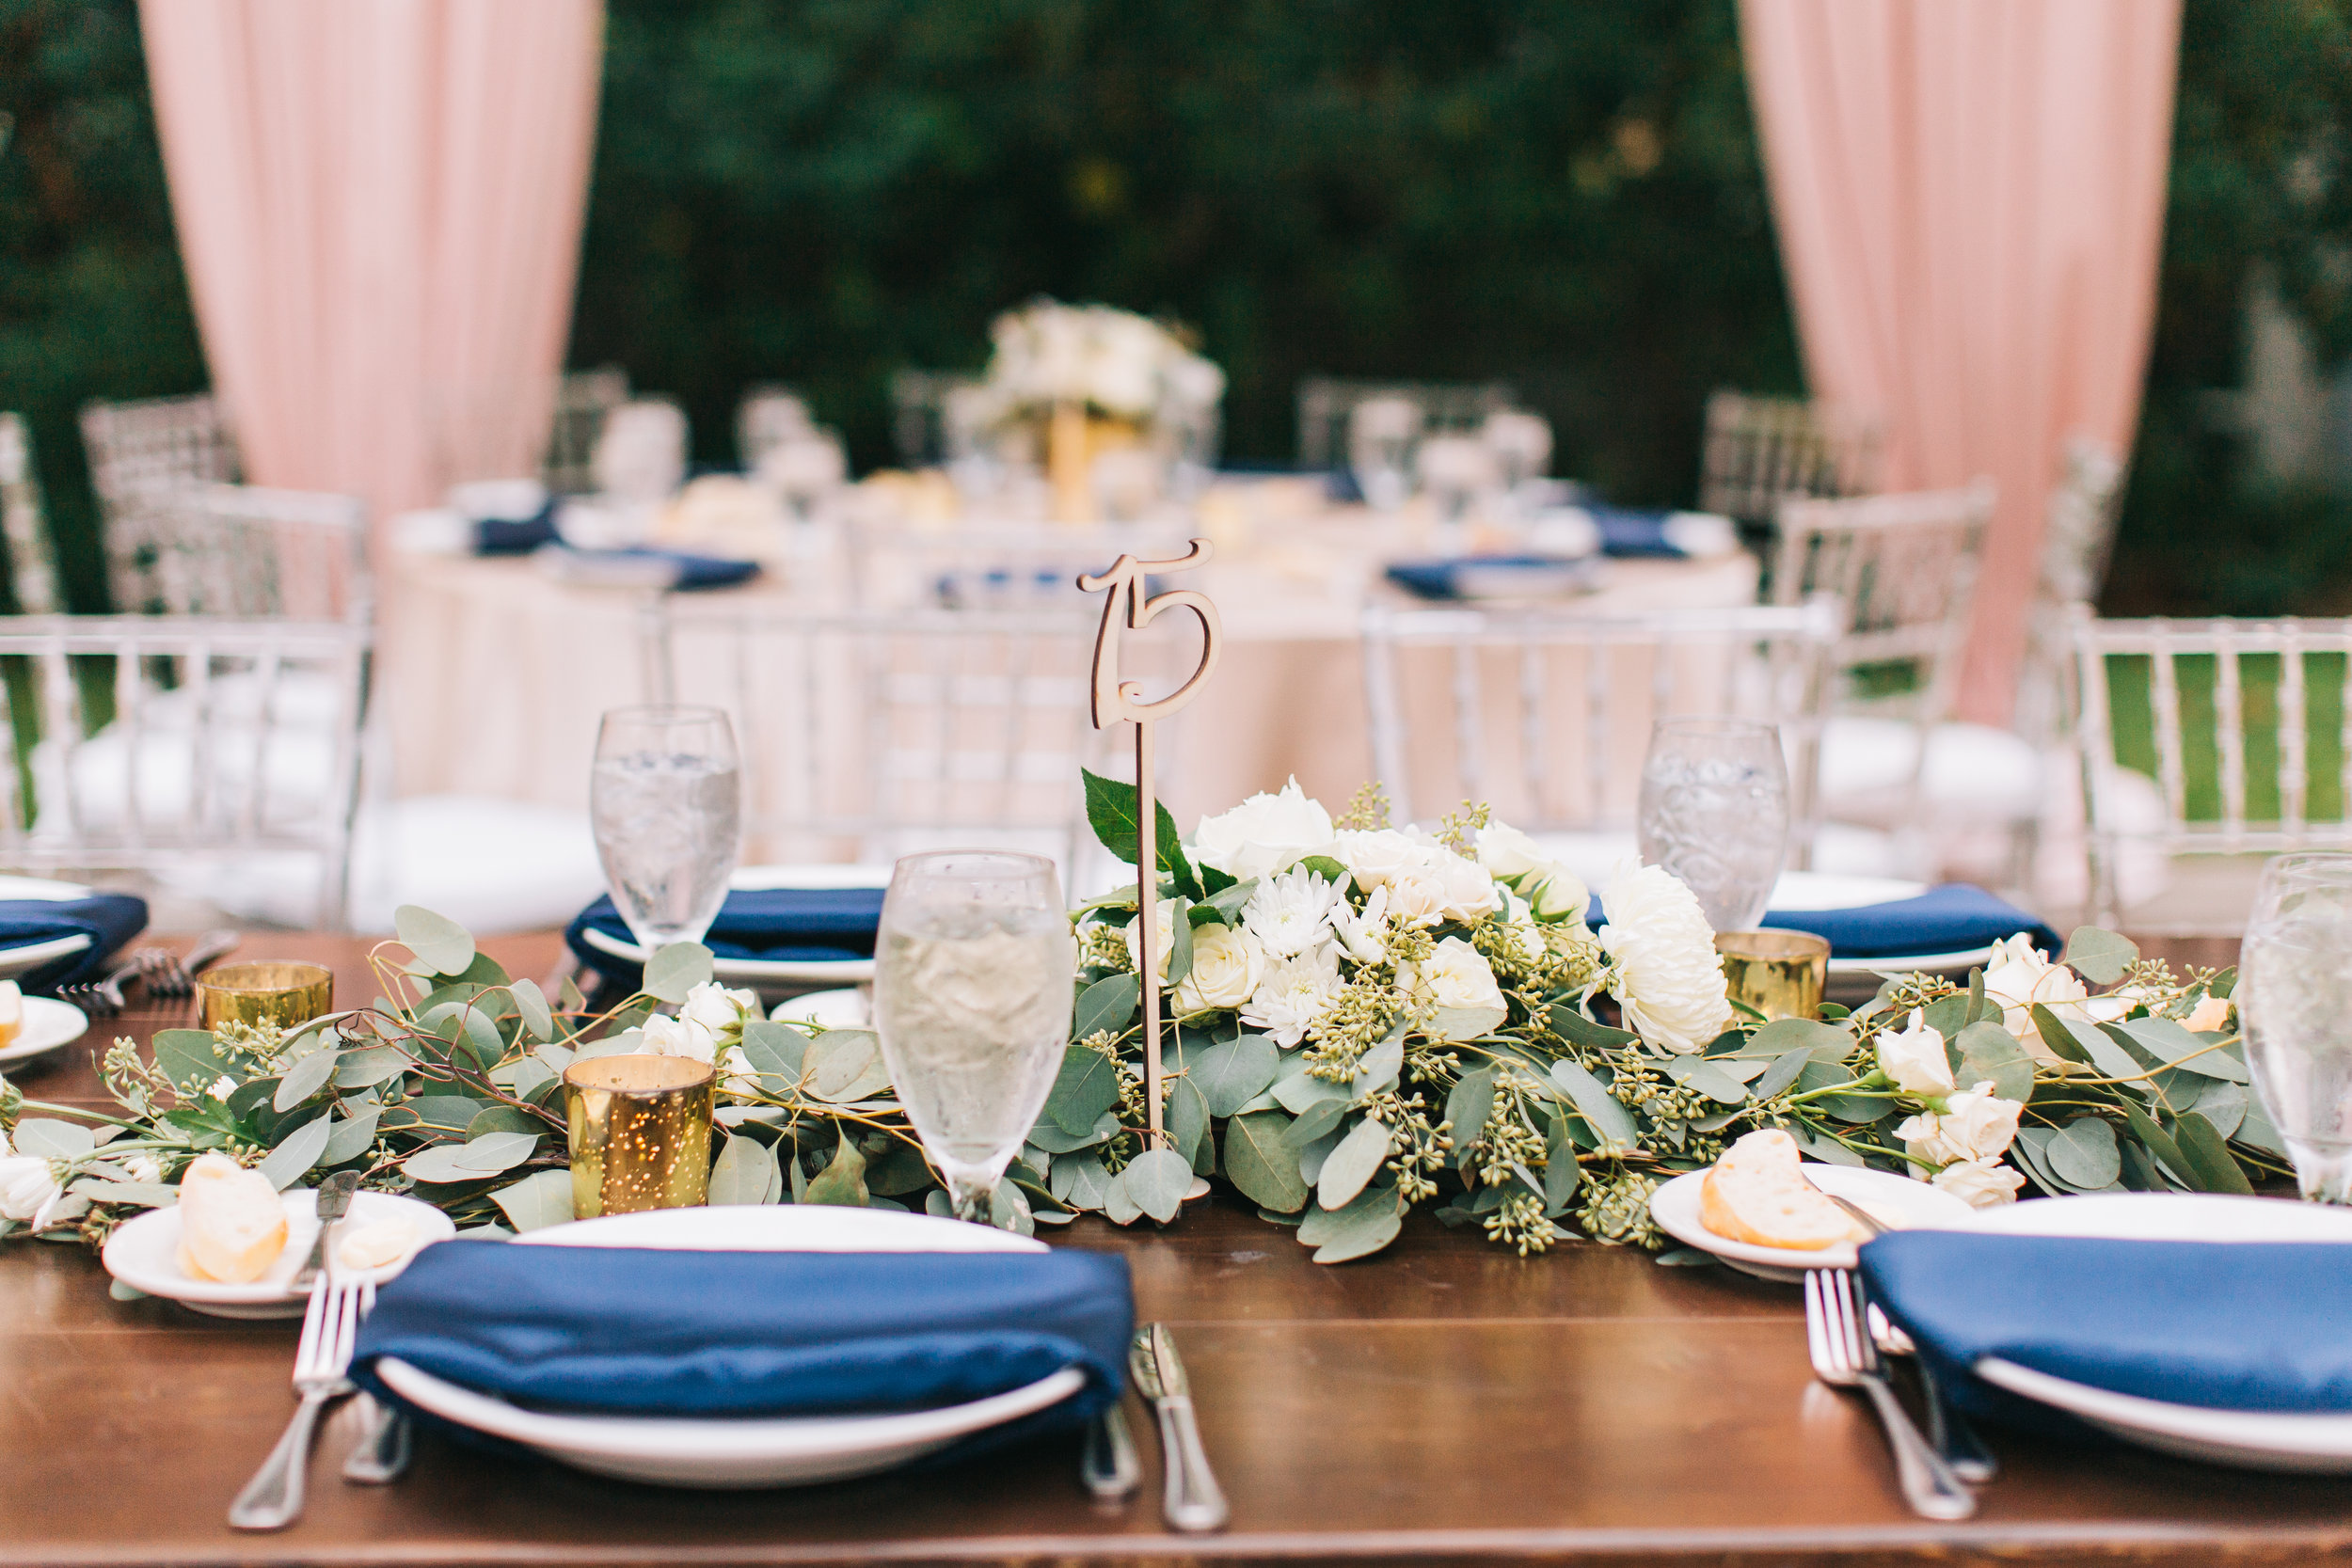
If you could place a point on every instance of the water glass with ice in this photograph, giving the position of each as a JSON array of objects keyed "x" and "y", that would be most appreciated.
[
  {"x": 2293, "y": 999},
  {"x": 1714, "y": 810},
  {"x": 972, "y": 987},
  {"x": 666, "y": 802}
]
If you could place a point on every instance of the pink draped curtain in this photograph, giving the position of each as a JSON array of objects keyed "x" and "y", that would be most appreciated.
[
  {"x": 1970, "y": 201},
  {"x": 379, "y": 206}
]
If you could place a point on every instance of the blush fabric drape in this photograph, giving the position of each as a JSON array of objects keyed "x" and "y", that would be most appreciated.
[
  {"x": 1970, "y": 200},
  {"x": 379, "y": 206}
]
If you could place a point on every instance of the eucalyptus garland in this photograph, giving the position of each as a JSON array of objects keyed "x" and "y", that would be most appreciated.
[{"x": 1364, "y": 1020}]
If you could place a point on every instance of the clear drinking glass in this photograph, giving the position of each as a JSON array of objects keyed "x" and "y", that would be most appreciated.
[
  {"x": 2293, "y": 999},
  {"x": 972, "y": 999},
  {"x": 1714, "y": 810},
  {"x": 667, "y": 804}
]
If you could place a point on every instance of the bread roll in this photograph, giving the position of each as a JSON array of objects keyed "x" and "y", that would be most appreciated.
[
  {"x": 1755, "y": 1194},
  {"x": 233, "y": 1223},
  {"x": 11, "y": 1012}
]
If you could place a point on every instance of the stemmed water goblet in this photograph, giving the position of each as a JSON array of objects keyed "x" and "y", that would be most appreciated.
[
  {"x": 666, "y": 802},
  {"x": 972, "y": 1002},
  {"x": 1714, "y": 810},
  {"x": 2293, "y": 999}
]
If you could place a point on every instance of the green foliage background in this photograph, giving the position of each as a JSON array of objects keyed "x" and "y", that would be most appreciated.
[{"x": 1560, "y": 194}]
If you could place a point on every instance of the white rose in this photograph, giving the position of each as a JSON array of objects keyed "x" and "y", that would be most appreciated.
[
  {"x": 1916, "y": 1059},
  {"x": 2210, "y": 1016},
  {"x": 28, "y": 1189},
  {"x": 1506, "y": 852},
  {"x": 1666, "y": 971},
  {"x": 1557, "y": 892},
  {"x": 143, "y": 1167},
  {"x": 1981, "y": 1184},
  {"x": 1526, "y": 935},
  {"x": 1291, "y": 913},
  {"x": 1227, "y": 966},
  {"x": 1263, "y": 834},
  {"x": 1976, "y": 1125},
  {"x": 717, "y": 1008},
  {"x": 1162, "y": 934},
  {"x": 1456, "y": 976},
  {"x": 1426, "y": 881},
  {"x": 1294, "y": 997},
  {"x": 1362, "y": 933},
  {"x": 676, "y": 1036},
  {"x": 2017, "y": 979},
  {"x": 742, "y": 1078}
]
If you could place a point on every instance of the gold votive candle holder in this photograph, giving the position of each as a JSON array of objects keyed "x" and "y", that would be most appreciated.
[
  {"x": 1779, "y": 974},
  {"x": 267, "y": 992},
  {"x": 640, "y": 1134}
]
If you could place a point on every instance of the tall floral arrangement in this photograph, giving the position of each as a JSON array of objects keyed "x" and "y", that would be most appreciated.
[{"x": 1114, "y": 363}]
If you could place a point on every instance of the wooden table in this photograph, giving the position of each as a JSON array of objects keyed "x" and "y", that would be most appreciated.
[{"x": 1444, "y": 1401}]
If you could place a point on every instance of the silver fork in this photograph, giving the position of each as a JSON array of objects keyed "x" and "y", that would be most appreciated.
[
  {"x": 1844, "y": 1358},
  {"x": 273, "y": 1498},
  {"x": 100, "y": 998},
  {"x": 171, "y": 975}
]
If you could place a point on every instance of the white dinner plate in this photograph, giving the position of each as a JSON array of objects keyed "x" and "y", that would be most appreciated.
[
  {"x": 2252, "y": 1440},
  {"x": 776, "y": 971},
  {"x": 746, "y": 1451},
  {"x": 1799, "y": 891},
  {"x": 48, "y": 1024},
  {"x": 32, "y": 955},
  {"x": 1676, "y": 1208},
  {"x": 144, "y": 1254},
  {"x": 848, "y": 1008}
]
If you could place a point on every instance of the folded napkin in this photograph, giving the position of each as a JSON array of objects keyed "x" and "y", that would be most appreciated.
[
  {"x": 1944, "y": 919},
  {"x": 801, "y": 925},
  {"x": 1631, "y": 533},
  {"x": 108, "y": 919},
  {"x": 731, "y": 1333},
  {"x": 2239, "y": 1325},
  {"x": 1443, "y": 580},
  {"x": 645, "y": 566},
  {"x": 515, "y": 536}
]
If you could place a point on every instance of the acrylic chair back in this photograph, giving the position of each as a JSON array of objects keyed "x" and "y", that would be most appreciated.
[
  {"x": 32, "y": 559},
  {"x": 1326, "y": 403},
  {"x": 1759, "y": 451},
  {"x": 182, "y": 745},
  {"x": 2078, "y": 537},
  {"x": 868, "y": 736},
  {"x": 245, "y": 552},
  {"x": 1546, "y": 713},
  {"x": 2247, "y": 727},
  {"x": 582, "y": 399}
]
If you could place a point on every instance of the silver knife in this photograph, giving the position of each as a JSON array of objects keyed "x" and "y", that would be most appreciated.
[
  {"x": 334, "y": 1201},
  {"x": 1192, "y": 1501}
]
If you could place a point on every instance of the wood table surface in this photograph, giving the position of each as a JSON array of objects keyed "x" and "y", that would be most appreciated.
[{"x": 1444, "y": 1402}]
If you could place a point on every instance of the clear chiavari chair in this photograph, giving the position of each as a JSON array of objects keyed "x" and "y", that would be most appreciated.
[
  {"x": 1545, "y": 714},
  {"x": 1327, "y": 403},
  {"x": 582, "y": 399},
  {"x": 139, "y": 453},
  {"x": 921, "y": 426},
  {"x": 1759, "y": 451},
  {"x": 249, "y": 552},
  {"x": 2247, "y": 727},
  {"x": 32, "y": 557},
  {"x": 185, "y": 749},
  {"x": 868, "y": 736},
  {"x": 2077, "y": 539}
]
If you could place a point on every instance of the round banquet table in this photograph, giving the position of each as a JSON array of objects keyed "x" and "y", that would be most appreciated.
[{"x": 496, "y": 673}]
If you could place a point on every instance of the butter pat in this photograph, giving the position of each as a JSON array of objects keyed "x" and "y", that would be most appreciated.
[
  {"x": 376, "y": 1245},
  {"x": 1755, "y": 1194},
  {"x": 233, "y": 1223}
]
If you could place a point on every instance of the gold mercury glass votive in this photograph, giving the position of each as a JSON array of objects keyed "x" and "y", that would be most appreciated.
[
  {"x": 639, "y": 1132},
  {"x": 286, "y": 994},
  {"x": 1779, "y": 974}
]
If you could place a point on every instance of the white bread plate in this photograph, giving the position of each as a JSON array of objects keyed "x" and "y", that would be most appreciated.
[
  {"x": 1676, "y": 1208},
  {"x": 144, "y": 1254}
]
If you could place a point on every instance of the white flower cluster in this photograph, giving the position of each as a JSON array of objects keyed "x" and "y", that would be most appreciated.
[
  {"x": 29, "y": 1191},
  {"x": 1963, "y": 1143},
  {"x": 1664, "y": 970},
  {"x": 711, "y": 1010},
  {"x": 1125, "y": 365}
]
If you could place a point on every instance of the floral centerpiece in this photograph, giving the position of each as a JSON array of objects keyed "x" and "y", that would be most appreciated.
[{"x": 1367, "y": 1019}]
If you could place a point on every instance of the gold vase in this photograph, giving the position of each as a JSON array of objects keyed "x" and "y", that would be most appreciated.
[
  {"x": 286, "y": 994},
  {"x": 639, "y": 1129},
  {"x": 1779, "y": 974}
]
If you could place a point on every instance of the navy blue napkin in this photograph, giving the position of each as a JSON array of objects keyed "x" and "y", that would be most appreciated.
[
  {"x": 1634, "y": 535},
  {"x": 2238, "y": 1325},
  {"x": 515, "y": 536},
  {"x": 1944, "y": 919},
  {"x": 1441, "y": 579},
  {"x": 720, "y": 1334},
  {"x": 108, "y": 919},
  {"x": 800, "y": 924}
]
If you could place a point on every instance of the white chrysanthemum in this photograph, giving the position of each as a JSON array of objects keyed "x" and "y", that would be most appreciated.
[
  {"x": 1227, "y": 965},
  {"x": 1981, "y": 1184},
  {"x": 1291, "y": 913},
  {"x": 676, "y": 1036},
  {"x": 1265, "y": 835},
  {"x": 1666, "y": 971},
  {"x": 28, "y": 1187},
  {"x": 1975, "y": 1124},
  {"x": 1916, "y": 1059},
  {"x": 1294, "y": 995},
  {"x": 1363, "y": 933}
]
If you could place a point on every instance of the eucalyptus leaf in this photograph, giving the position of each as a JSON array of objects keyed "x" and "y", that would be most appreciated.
[
  {"x": 492, "y": 1152},
  {"x": 1188, "y": 1126},
  {"x": 47, "y": 1138},
  {"x": 1708, "y": 1079},
  {"x": 439, "y": 943},
  {"x": 743, "y": 1175},
  {"x": 844, "y": 1065},
  {"x": 1577, "y": 1029},
  {"x": 2063, "y": 1039},
  {"x": 538, "y": 1200},
  {"x": 1562, "y": 1173},
  {"x": 1229, "y": 1073},
  {"x": 1313, "y": 1153},
  {"x": 1258, "y": 1163},
  {"x": 1825, "y": 1042},
  {"x": 1053, "y": 1140},
  {"x": 1180, "y": 946},
  {"x": 1353, "y": 1164},
  {"x": 676, "y": 970},
  {"x": 295, "y": 1154},
  {"x": 2083, "y": 1155},
  {"x": 1468, "y": 1105},
  {"x": 2224, "y": 1104},
  {"x": 1990, "y": 1053},
  {"x": 2216, "y": 1168},
  {"x": 304, "y": 1079},
  {"x": 364, "y": 1068},
  {"x": 1610, "y": 1122},
  {"x": 351, "y": 1137},
  {"x": 503, "y": 1119},
  {"x": 1086, "y": 1086},
  {"x": 1106, "y": 1005},
  {"x": 843, "y": 1181},
  {"x": 2257, "y": 1131},
  {"x": 1008, "y": 1209},
  {"x": 1295, "y": 1088},
  {"x": 1379, "y": 1068},
  {"x": 774, "y": 1049},
  {"x": 1080, "y": 1181},
  {"x": 1357, "y": 1229},
  {"x": 189, "y": 1058},
  {"x": 145, "y": 1195},
  {"x": 1157, "y": 1179},
  {"x": 1119, "y": 1205},
  {"x": 2175, "y": 1047},
  {"x": 2100, "y": 957},
  {"x": 1781, "y": 1073},
  {"x": 531, "y": 1003}
]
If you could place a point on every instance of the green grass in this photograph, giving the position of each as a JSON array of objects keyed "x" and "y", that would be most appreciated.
[{"x": 2133, "y": 718}]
